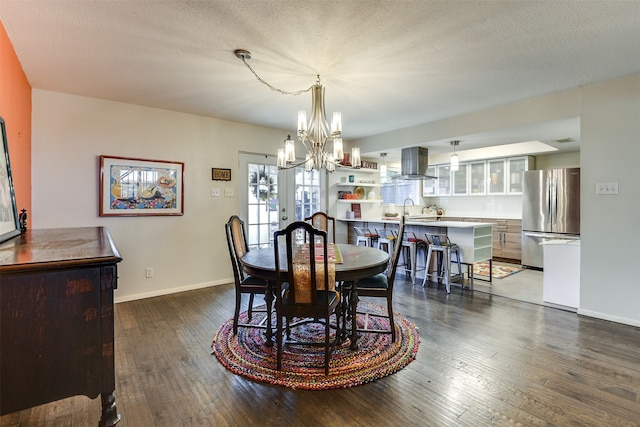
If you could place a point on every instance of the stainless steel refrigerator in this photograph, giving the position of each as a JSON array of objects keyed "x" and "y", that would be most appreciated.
[{"x": 550, "y": 210}]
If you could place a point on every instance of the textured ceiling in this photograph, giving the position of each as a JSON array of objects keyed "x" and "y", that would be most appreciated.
[{"x": 385, "y": 64}]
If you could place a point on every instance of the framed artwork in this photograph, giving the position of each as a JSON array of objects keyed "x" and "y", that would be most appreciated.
[
  {"x": 9, "y": 222},
  {"x": 140, "y": 187},
  {"x": 218, "y": 174}
]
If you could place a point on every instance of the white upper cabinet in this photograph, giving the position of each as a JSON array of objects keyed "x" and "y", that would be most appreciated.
[
  {"x": 444, "y": 180},
  {"x": 429, "y": 186},
  {"x": 460, "y": 180},
  {"x": 516, "y": 166},
  {"x": 478, "y": 178},
  {"x": 496, "y": 182}
]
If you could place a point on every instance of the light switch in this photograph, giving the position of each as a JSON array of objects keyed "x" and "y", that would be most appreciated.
[
  {"x": 228, "y": 192},
  {"x": 215, "y": 192},
  {"x": 607, "y": 188}
]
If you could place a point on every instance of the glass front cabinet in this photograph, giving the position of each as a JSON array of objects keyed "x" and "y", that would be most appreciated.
[
  {"x": 478, "y": 178},
  {"x": 482, "y": 177},
  {"x": 429, "y": 186},
  {"x": 460, "y": 182},
  {"x": 496, "y": 177},
  {"x": 444, "y": 180},
  {"x": 516, "y": 167}
]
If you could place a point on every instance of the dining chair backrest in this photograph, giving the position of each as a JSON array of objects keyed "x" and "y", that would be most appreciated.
[
  {"x": 324, "y": 222},
  {"x": 237, "y": 243},
  {"x": 308, "y": 264},
  {"x": 395, "y": 257}
]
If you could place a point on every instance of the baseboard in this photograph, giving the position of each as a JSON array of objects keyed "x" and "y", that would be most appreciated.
[
  {"x": 609, "y": 317},
  {"x": 171, "y": 291}
]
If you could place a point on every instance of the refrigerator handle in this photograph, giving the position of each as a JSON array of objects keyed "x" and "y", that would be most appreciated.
[{"x": 553, "y": 205}]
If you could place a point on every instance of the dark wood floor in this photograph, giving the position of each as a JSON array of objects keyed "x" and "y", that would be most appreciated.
[{"x": 483, "y": 360}]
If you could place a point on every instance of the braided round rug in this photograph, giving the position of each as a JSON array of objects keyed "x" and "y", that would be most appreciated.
[{"x": 303, "y": 366}]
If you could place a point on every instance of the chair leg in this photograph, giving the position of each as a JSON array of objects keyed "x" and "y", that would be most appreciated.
[
  {"x": 278, "y": 342},
  {"x": 268, "y": 297},
  {"x": 326, "y": 346},
  {"x": 250, "y": 311},
  {"x": 236, "y": 313},
  {"x": 427, "y": 273},
  {"x": 391, "y": 322}
]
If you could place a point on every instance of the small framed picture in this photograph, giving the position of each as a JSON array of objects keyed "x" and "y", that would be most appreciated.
[
  {"x": 218, "y": 174},
  {"x": 140, "y": 187}
]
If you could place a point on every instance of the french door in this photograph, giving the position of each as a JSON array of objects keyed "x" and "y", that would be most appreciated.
[{"x": 270, "y": 198}]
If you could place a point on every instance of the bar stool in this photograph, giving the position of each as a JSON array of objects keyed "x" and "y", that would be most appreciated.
[
  {"x": 411, "y": 245},
  {"x": 386, "y": 239},
  {"x": 441, "y": 244},
  {"x": 364, "y": 235}
]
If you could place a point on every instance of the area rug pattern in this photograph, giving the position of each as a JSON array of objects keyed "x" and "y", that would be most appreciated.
[
  {"x": 498, "y": 271},
  {"x": 303, "y": 366}
]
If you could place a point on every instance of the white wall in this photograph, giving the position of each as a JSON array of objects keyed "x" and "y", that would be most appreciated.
[
  {"x": 70, "y": 132},
  {"x": 186, "y": 252},
  {"x": 610, "y": 151},
  {"x": 610, "y": 128}
]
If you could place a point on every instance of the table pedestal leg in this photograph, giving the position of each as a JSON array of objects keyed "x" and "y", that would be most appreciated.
[{"x": 354, "y": 326}]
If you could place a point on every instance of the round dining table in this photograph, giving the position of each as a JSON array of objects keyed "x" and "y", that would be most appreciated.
[{"x": 358, "y": 262}]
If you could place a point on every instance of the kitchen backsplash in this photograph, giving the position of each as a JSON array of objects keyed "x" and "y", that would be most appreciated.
[{"x": 479, "y": 206}]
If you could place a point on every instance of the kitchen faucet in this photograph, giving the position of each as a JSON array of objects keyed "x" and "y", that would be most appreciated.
[{"x": 404, "y": 205}]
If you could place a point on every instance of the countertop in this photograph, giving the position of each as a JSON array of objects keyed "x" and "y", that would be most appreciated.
[{"x": 423, "y": 222}]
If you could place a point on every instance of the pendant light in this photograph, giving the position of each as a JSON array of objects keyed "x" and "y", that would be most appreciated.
[
  {"x": 455, "y": 161},
  {"x": 383, "y": 168}
]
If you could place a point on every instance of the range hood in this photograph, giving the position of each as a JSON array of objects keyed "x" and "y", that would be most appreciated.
[{"x": 414, "y": 163}]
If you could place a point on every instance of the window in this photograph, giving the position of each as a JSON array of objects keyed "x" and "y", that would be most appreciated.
[
  {"x": 307, "y": 193},
  {"x": 262, "y": 204},
  {"x": 396, "y": 191}
]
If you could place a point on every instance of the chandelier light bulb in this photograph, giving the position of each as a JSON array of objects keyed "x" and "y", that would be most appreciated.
[
  {"x": 338, "y": 152},
  {"x": 336, "y": 124},
  {"x": 355, "y": 157},
  {"x": 302, "y": 121}
]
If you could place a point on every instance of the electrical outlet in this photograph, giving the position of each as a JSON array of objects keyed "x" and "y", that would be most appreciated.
[
  {"x": 148, "y": 272},
  {"x": 607, "y": 188},
  {"x": 215, "y": 192},
  {"x": 228, "y": 192}
]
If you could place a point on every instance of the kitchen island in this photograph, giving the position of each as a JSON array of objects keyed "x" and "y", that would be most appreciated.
[{"x": 475, "y": 239}]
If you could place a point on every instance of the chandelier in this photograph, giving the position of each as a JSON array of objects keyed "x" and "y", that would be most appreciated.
[{"x": 314, "y": 135}]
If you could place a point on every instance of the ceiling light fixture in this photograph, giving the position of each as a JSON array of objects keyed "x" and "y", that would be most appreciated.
[
  {"x": 383, "y": 168},
  {"x": 455, "y": 161},
  {"x": 314, "y": 134}
]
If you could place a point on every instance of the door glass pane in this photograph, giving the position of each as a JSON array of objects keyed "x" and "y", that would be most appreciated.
[
  {"x": 307, "y": 191},
  {"x": 263, "y": 205}
]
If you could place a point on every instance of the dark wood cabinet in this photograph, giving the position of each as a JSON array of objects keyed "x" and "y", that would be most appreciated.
[{"x": 56, "y": 314}]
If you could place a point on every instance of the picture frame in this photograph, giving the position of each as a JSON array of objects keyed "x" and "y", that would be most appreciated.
[
  {"x": 140, "y": 187},
  {"x": 218, "y": 174},
  {"x": 9, "y": 220}
]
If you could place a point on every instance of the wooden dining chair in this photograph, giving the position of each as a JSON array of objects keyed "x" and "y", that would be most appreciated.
[
  {"x": 245, "y": 284},
  {"x": 310, "y": 292},
  {"x": 324, "y": 222},
  {"x": 378, "y": 286}
]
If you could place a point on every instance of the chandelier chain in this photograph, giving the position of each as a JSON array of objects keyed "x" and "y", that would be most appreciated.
[{"x": 275, "y": 89}]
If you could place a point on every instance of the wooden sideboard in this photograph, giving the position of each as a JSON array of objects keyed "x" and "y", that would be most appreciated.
[{"x": 56, "y": 318}]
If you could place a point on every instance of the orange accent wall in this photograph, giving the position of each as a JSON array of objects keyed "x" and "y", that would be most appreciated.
[{"x": 15, "y": 109}]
